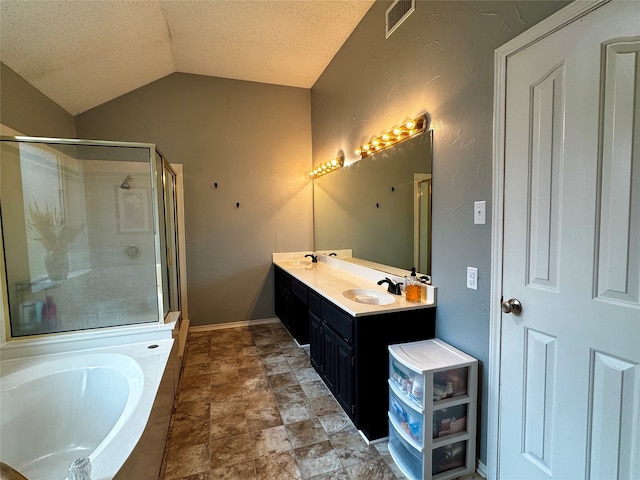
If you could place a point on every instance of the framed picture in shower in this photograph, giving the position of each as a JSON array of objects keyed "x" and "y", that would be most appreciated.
[{"x": 133, "y": 210}]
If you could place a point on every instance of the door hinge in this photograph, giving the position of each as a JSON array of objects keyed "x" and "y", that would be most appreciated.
[{"x": 353, "y": 409}]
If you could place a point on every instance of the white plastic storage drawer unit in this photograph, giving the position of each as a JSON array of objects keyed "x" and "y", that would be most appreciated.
[{"x": 432, "y": 409}]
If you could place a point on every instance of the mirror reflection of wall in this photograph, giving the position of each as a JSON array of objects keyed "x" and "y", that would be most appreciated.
[{"x": 380, "y": 206}]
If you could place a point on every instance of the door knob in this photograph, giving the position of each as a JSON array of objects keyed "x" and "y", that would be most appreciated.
[{"x": 512, "y": 305}]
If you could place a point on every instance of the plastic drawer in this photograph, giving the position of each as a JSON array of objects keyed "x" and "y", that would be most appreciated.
[
  {"x": 448, "y": 457},
  {"x": 407, "y": 382},
  {"x": 450, "y": 383},
  {"x": 432, "y": 410},
  {"x": 406, "y": 457},
  {"x": 406, "y": 418},
  {"x": 450, "y": 420}
]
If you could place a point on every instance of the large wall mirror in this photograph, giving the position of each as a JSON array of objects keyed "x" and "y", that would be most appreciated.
[{"x": 380, "y": 206}]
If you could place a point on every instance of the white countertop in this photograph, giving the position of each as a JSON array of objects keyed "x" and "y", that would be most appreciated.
[{"x": 331, "y": 276}]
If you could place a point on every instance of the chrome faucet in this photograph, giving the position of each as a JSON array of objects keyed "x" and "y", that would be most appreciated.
[
  {"x": 393, "y": 287},
  {"x": 80, "y": 469},
  {"x": 314, "y": 258}
]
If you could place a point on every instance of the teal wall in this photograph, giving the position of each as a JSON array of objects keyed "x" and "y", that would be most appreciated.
[
  {"x": 439, "y": 62},
  {"x": 254, "y": 141}
]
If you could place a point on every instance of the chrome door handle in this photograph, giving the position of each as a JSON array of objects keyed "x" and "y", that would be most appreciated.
[{"x": 512, "y": 305}]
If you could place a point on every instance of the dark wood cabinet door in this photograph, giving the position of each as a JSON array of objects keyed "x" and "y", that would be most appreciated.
[
  {"x": 315, "y": 342},
  {"x": 329, "y": 357},
  {"x": 344, "y": 369}
]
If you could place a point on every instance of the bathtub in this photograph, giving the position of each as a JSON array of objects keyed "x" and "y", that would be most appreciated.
[{"x": 97, "y": 403}]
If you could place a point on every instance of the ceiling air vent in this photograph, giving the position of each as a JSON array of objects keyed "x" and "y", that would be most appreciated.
[{"x": 398, "y": 13}]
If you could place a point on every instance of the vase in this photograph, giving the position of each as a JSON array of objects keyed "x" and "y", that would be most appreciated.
[{"x": 57, "y": 265}]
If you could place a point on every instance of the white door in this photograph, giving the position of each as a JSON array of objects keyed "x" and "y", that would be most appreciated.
[{"x": 570, "y": 377}]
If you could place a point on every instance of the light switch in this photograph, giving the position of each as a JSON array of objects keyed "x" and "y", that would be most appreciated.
[{"x": 480, "y": 213}]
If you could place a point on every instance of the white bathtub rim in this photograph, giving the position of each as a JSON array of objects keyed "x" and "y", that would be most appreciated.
[
  {"x": 63, "y": 342},
  {"x": 115, "y": 448},
  {"x": 39, "y": 366},
  {"x": 110, "y": 455}
]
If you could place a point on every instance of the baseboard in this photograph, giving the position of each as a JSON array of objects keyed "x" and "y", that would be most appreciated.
[
  {"x": 241, "y": 323},
  {"x": 481, "y": 469}
]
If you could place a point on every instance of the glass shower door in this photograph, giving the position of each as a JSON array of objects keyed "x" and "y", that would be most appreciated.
[{"x": 84, "y": 226}]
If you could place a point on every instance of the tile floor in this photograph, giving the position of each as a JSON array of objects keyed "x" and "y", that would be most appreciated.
[{"x": 250, "y": 406}]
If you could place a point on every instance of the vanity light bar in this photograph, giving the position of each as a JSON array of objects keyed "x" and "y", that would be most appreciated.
[
  {"x": 392, "y": 137},
  {"x": 325, "y": 168}
]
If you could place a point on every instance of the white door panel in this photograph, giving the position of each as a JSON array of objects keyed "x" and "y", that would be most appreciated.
[{"x": 570, "y": 374}]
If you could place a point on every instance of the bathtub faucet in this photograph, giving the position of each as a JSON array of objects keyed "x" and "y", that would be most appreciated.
[{"x": 80, "y": 469}]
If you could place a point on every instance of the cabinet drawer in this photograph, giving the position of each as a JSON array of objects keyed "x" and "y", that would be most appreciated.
[
  {"x": 339, "y": 321},
  {"x": 315, "y": 303},
  {"x": 299, "y": 290}
]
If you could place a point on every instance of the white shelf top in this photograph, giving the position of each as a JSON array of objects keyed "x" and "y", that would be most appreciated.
[{"x": 434, "y": 354}]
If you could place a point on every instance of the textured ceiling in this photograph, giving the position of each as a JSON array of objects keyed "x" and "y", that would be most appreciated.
[{"x": 81, "y": 53}]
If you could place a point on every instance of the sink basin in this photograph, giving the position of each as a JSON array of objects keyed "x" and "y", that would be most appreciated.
[
  {"x": 299, "y": 263},
  {"x": 370, "y": 297}
]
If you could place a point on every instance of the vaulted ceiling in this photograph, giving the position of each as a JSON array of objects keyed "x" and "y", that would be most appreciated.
[{"x": 82, "y": 53}]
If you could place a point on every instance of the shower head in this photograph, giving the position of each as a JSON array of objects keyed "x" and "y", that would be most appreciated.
[{"x": 125, "y": 183}]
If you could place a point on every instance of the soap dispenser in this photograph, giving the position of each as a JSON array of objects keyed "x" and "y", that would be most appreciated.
[{"x": 412, "y": 288}]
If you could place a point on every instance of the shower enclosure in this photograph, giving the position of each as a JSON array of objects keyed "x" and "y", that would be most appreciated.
[{"x": 89, "y": 234}]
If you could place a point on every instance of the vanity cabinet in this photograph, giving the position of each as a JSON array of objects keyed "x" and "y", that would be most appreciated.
[
  {"x": 291, "y": 305},
  {"x": 350, "y": 355}
]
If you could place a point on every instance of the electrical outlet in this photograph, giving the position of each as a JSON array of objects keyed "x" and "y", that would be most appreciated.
[{"x": 472, "y": 278}]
